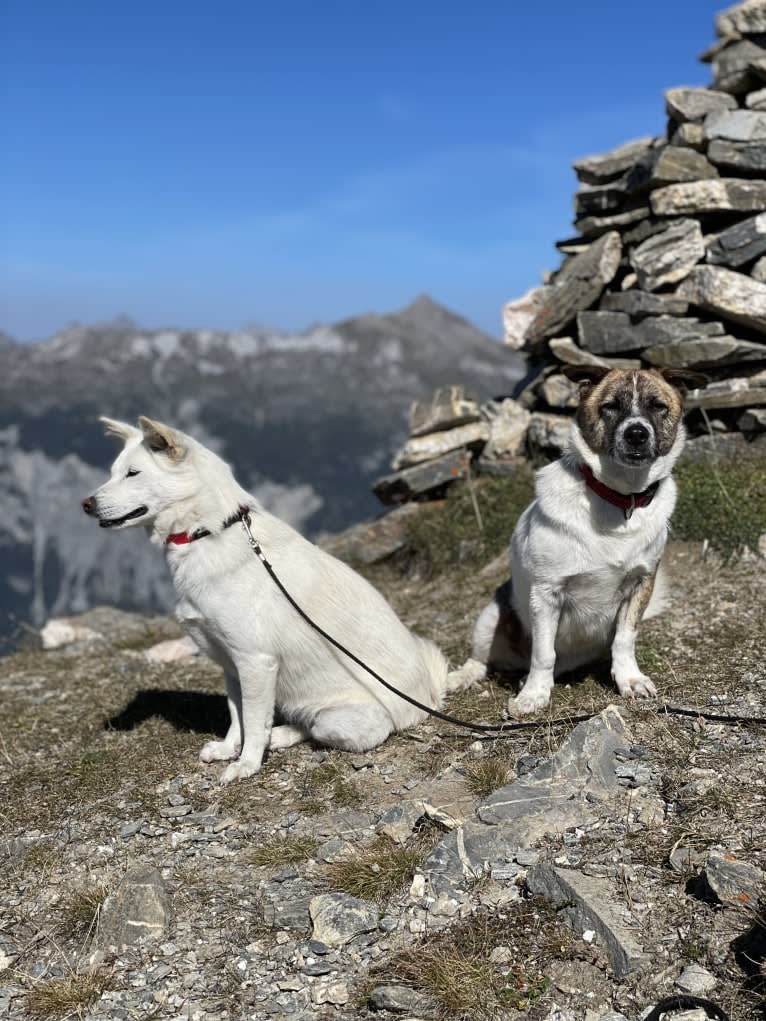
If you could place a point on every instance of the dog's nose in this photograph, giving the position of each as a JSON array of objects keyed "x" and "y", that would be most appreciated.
[
  {"x": 637, "y": 435},
  {"x": 89, "y": 505}
]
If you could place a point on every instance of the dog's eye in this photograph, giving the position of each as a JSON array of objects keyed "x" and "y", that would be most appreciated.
[
  {"x": 608, "y": 406},
  {"x": 659, "y": 406},
  {"x": 132, "y": 472}
]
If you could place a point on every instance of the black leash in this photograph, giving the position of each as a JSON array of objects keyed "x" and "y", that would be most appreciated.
[
  {"x": 497, "y": 729},
  {"x": 684, "y": 1002}
]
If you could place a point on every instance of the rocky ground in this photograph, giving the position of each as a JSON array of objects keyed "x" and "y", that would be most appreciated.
[{"x": 567, "y": 871}]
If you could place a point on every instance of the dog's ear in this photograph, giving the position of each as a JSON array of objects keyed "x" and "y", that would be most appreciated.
[
  {"x": 585, "y": 373},
  {"x": 684, "y": 379},
  {"x": 161, "y": 438},
  {"x": 120, "y": 430}
]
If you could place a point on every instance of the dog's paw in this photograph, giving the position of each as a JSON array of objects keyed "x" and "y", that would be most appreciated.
[
  {"x": 240, "y": 770},
  {"x": 218, "y": 751},
  {"x": 528, "y": 702},
  {"x": 285, "y": 736},
  {"x": 635, "y": 686}
]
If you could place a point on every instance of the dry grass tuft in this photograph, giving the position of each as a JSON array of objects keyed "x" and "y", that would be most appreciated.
[
  {"x": 485, "y": 775},
  {"x": 284, "y": 851},
  {"x": 382, "y": 870},
  {"x": 80, "y": 909},
  {"x": 66, "y": 997},
  {"x": 454, "y": 966}
]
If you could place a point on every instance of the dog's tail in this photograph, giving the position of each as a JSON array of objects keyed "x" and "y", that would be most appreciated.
[{"x": 660, "y": 600}]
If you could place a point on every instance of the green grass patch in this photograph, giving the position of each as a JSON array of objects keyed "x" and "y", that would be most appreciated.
[
  {"x": 724, "y": 503},
  {"x": 451, "y": 532},
  {"x": 482, "y": 776}
]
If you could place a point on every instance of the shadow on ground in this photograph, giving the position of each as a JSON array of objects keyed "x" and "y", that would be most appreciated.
[{"x": 195, "y": 711}]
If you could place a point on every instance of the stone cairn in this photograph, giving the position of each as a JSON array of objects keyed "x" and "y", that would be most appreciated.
[{"x": 668, "y": 270}]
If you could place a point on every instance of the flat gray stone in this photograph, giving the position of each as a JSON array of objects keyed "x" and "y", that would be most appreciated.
[
  {"x": 738, "y": 156},
  {"x": 291, "y": 914},
  {"x": 704, "y": 353},
  {"x": 692, "y": 104},
  {"x": 565, "y": 349},
  {"x": 734, "y": 882},
  {"x": 578, "y": 286},
  {"x": 595, "y": 226},
  {"x": 449, "y": 406},
  {"x": 668, "y": 257},
  {"x": 640, "y": 304},
  {"x": 600, "y": 198},
  {"x": 425, "y": 448},
  {"x": 400, "y": 1000},
  {"x": 581, "y": 773},
  {"x": 408, "y": 484},
  {"x": 696, "y": 980},
  {"x": 677, "y": 163},
  {"x": 728, "y": 294},
  {"x": 714, "y": 196},
  {"x": 508, "y": 423},
  {"x": 733, "y": 66},
  {"x": 747, "y": 18},
  {"x": 369, "y": 542},
  {"x": 689, "y": 134},
  {"x": 756, "y": 100},
  {"x": 603, "y": 167},
  {"x": 337, "y": 918},
  {"x": 735, "y": 392},
  {"x": 739, "y": 244},
  {"x": 671, "y": 329},
  {"x": 736, "y": 126},
  {"x": 560, "y": 392},
  {"x": 591, "y": 903},
  {"x": 138, "y": 909},
  {"x": 547, "y": 435},
  {"x": 605, "y": 333},
  {"x": 520, "y": 313},
  {"x": 752, "y": 421}
]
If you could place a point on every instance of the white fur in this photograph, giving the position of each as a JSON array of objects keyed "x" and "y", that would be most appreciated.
[
  {"x": 235, "y": 613},
  {"x": 575, "y": 559}
]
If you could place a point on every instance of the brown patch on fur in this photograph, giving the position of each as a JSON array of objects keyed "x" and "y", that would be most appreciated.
[
  {"x": 603, "y": 405},
  {"x": 632, "y": 609},
  {"x": 511, "y": 646}
]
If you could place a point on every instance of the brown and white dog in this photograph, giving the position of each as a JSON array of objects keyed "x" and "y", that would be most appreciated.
[{"x": 585, "y": 553}]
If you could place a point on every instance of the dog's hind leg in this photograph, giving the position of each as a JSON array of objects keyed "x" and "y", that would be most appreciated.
[
  {"x": 353, "y": 728},
  {"x": 630, "y": 682},
  {"x": 285, "y": 736},
  {"x": 229, "y": 747},
  {"x": 258, "y": 682}
]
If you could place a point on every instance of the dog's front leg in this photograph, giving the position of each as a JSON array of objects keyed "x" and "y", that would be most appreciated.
[
  {"x": 544, "y": 611},
  {"x": 222, "y": 751},
  {"x": 258, "y": 681},
  {"x": 629, "y": 680}
]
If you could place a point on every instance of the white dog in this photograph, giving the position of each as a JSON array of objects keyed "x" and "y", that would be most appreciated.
[
  {"x": 585, "y": 553},
  {"x": 191, "y": 505}
]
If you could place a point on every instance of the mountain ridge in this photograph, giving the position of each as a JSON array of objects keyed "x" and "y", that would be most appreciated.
[{"x": 308, "y": 421}]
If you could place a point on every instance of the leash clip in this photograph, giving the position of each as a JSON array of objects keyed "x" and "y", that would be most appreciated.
[{"x": 629, "y": 510}]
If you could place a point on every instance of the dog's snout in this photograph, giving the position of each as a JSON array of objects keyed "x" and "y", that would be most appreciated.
[
  {"x": 637, "y": 435},
  {"x": 89, "y": 505}
]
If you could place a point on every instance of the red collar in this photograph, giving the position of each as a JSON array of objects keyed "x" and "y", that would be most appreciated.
[
  {"x": 627, "y": 502},
  {"x": 183, "y": 538}
]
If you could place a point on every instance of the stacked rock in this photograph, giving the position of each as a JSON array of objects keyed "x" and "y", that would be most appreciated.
[
  {"x": 448, "y": 434},
  {"x": 668, "y": 268}
]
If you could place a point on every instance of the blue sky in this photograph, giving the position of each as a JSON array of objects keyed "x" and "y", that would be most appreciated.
[{"x": 219, "y": 164}]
